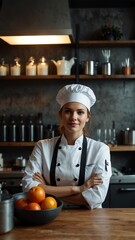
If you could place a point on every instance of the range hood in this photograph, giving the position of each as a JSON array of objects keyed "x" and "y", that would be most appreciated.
[{"x": 35, "y": 22}]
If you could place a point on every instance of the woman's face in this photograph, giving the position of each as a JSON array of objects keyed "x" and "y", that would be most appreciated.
[{"x": 74, "y": 117}]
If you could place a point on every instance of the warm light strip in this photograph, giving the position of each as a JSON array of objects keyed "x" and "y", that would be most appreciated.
[{"x": 35, "y": 40}]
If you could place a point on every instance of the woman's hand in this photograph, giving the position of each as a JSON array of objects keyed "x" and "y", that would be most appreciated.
[
  {"x": 93, "y": 181},
  {"x": 77, "y": 198},
  {"x": 38, "y": 177}
]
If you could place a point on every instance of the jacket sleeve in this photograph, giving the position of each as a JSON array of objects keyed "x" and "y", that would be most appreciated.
[
  {"x": 34, "y": 164},
  {"x": 95, "y": 196}
]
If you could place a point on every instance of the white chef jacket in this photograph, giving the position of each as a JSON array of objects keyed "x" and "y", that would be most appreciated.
[{"x": 68, "y": 166}]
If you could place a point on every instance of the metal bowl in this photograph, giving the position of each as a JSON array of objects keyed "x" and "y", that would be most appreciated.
[{"x": 34, "y": 217}]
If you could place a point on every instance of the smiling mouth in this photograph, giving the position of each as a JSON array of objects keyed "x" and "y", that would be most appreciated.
[{"x": 73, "y": 124}]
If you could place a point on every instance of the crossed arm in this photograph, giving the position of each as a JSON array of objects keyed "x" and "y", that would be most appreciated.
[{"x": 70, "y": 194}]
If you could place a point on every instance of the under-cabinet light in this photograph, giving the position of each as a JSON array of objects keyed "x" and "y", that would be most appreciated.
[
  {"x": 35, "y": 40},
  {"x": 35, "y": 22}
]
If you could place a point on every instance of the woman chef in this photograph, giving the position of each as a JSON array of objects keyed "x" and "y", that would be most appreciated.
[{"x": 73, "y": 167}]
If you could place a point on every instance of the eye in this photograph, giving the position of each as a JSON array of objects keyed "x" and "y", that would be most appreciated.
[
  {"x": 67, "y": 110},
  {"x": 80, "y": 112}
]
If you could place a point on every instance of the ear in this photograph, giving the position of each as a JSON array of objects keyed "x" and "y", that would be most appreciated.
[{"x": 87, "y": 119}]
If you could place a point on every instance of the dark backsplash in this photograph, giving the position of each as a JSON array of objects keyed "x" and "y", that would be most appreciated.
[{"x": 115, "y": 98}]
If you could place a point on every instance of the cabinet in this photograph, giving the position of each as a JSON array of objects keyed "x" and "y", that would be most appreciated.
[{"x": 120, "y": 195}]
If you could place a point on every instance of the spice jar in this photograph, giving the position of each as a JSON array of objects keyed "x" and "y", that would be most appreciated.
[
  {"x": 42, "y": 67},
  {"x": 31, "y": 67},
  {"x": 3, "y": 68},
  {"x": 16, "y": 67}
]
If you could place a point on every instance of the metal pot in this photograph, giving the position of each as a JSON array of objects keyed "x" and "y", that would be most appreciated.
[
  {"x": 6, "y": 212},
  {"x": 129, "y": 137},
  {"x": 89, "y": 67},
  {"x": 20, "y": 162},
  {"x": 107, "y": 68}
]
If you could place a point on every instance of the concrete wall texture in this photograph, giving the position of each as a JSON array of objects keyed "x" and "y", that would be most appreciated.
[{"x": 115, "y": 98}]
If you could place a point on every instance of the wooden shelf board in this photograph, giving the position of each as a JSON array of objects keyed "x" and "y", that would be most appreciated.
[
  {"x": 24, "y": 77},
  {"x": 122, "y": 148},
  {"x": 81, "y": 76},
  {"x": 17, "y": 144},
  {"x": 111, "y": 43},
  {"x": 113, "y": 76}
]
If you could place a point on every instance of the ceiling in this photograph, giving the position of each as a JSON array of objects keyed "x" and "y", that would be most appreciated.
[{"x": 102, "y": 4}]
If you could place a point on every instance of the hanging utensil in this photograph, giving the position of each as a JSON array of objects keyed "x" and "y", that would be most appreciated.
[{"x": 106, "y": 54}]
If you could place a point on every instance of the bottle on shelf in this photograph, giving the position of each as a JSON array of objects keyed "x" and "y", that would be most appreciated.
[
  {"x": 12, "y": 129},
  {"x": 30, "y": 129},
  {"x": 21, "y": 129},
  {"x": 39, "y": 128},
  {"x": 49, "y": 131},
  {"x": 114, "y": 140},
  {"x": 1, "y": 161},
  {"x": 3, "y": 129}
]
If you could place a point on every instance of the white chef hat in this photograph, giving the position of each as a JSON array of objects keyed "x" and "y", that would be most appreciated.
[{"x": 76, "y": 93}]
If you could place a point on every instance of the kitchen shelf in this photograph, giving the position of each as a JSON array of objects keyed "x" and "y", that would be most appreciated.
[
  {"x": 122, "y": 148},
  {"x": 116, "y": 148},
  {"x": 113, "y": 76},
  {"x": 107, "y": 43},
  {"x": 24, "y": 77},
  {"x": 17, "y": 144},
  {"x": 83, "y": 76}
]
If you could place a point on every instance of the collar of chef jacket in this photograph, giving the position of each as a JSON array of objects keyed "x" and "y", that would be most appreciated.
[{"x": 78, "y": 141}]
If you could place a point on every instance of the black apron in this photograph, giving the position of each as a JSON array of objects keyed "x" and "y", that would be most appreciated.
[{"x": 82, "y": 165}]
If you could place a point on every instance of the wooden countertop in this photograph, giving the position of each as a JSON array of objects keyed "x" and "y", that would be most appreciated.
[{"x": 81, "y": 224}]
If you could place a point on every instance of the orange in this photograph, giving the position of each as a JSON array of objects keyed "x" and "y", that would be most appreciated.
[
  {"x": 36, "y": 194},
  {"x": 48, "y": 203},
  {"x": 21, "y": 203},
  {"x": 33, "y": 206}
]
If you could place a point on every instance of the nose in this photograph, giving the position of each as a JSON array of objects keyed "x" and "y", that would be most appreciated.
[{"x": 74, "y": 116}]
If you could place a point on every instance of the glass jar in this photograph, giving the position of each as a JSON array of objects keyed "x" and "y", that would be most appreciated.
[
  {"x": 4, "y": 69},
  {"x": 31, "y": 67},
  {"x": 42, "y": 67},
  {"x": 15, "y": 69}
]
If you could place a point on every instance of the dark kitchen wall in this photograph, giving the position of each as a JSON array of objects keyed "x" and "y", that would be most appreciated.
[{"x": 115, "y": 98}]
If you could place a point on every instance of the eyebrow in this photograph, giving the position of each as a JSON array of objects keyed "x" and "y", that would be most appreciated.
[{"x": 79, "y": 109}]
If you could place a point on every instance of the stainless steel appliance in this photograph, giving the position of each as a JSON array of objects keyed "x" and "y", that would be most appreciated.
[
  {"x": 12, "y": 181},
  {"x": 121, "y": 193}
]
